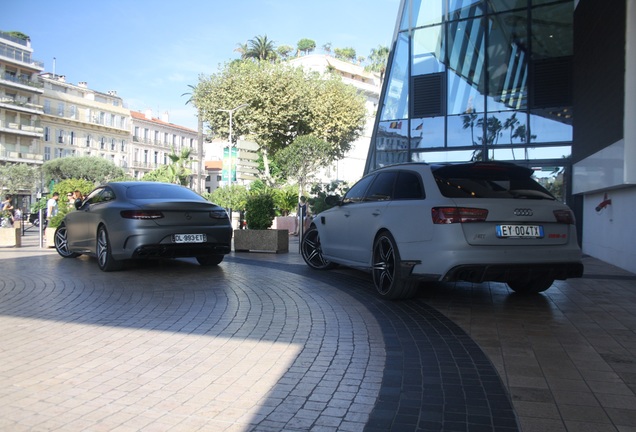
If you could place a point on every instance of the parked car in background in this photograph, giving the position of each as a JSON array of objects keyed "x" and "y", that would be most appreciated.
[
  {"x": 475, "y": 222},
  {"x": 138, "y": 220}
]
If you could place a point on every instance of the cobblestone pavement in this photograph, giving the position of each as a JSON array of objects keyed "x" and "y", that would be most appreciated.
[{"x": 264, "y": 343}]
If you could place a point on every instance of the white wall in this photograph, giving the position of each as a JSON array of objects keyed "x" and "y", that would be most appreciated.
[{"x": 610, "y": 234}]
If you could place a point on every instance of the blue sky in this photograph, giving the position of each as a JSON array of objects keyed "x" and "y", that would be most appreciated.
[{"x": 150, "y": 51}]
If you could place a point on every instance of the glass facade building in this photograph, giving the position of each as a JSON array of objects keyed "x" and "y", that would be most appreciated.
[{"x": 479, "y": 80}]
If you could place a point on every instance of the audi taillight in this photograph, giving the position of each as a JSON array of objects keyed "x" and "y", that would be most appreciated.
[
  {"x": 564, "y": 217},
  {"x": 141, "y": 214},
  {"x": 449, "y": 215}
]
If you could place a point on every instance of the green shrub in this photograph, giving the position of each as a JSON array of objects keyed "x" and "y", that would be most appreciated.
[
  {"x": 259, "y": 210},
  {"x": 62, "y": 209}
]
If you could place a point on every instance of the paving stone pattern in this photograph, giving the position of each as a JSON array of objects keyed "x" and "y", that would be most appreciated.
[{"x": 263, "y": 343}]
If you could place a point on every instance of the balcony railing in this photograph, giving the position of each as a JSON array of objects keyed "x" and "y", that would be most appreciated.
[
  {"x": 12, "y": 156},
  {"x": 19, "y": 103},
  {"x": 34, "y": 130},
  {"x": 23, "y": 81}
]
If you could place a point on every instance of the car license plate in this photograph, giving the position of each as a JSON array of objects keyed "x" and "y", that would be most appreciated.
[
  {"x": 189, "y": 238},
  {"x": 520, "y": 231}
]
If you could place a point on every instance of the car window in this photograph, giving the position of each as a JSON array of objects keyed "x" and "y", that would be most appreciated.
[
  {"x": 160, "y": 191},
  {"x": 93, "y": 197},
  {"x": 408, "y": 186},
  {"x": 356, "y": 193},
  {"x": 101, "y": 195},
  {"x": 382, "y": 187},
  {"x": 477, "y": 181}
]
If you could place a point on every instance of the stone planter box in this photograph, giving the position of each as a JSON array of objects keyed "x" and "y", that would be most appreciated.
[
  {"x": 10, "y": 237},
  {"x": 271, "y": 240}
]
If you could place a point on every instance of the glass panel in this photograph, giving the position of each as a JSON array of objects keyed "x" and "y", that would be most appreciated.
[
  {"x": 404, "y": 22},
  {"x": 465, "y": 130},
  {"x": 428, "y": 53},
  {"x": 509, "y": 127},
  {"x": 510, "y": 154},
  {"x": 459, "y": 9},
  {"x": 508, "y": 56},
  {"x": 549, "y": 152},
  {"x": 391, "y": 143},
  {"x": 442, "y": 156},
  {"x": 550, "y": 127},
  {"x": 462, "y": 96},
  {"x": 552, "y": 31},
  {"x": 506, "y": 5},
  {"x": 427, "y": 12},
  {"x": 427, "y": 132},
  {"x": 396, "y": 96},
  {"x": 466, "y": 66}
]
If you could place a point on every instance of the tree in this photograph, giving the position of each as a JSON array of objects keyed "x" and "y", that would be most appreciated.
[
  {"x": 303, "y": 158},
  {"x": 306, "y": 46},
  {"x": 284, "y": 50},
  {"x": 71, "y": 185},
  {"x": 15, "y": 178},
  {"x": 230, "y": 197},
  {"x": 378, "y": 60},
  {"x": 348, "y": 54},
  {"x": 176, "y": 172},
  {"x": 241, "y": 49},
  {"x": 283, "y": 102},
  {"x": 260, "y": 48},
  {"x": 92, "y": 168},
  {"x": 327, "y": 47},
  {"x": 285, "y": 199}
]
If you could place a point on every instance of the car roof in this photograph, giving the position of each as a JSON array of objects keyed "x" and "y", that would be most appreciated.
[{"x": 473, "y": 169}]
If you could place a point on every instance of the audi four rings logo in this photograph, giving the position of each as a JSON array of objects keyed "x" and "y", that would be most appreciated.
[{"x": 523, "y": 212}]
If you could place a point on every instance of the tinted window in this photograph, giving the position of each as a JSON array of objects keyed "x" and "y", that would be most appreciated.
[
  {"x": 382, "y": 187},
  {"x": 488, "y": 181},
  {"x": 408, "y": 186},
  {"x": 95, "y": 196},
  {"x": 356, "y": 193},
  {"x": 161, "y": 191}
]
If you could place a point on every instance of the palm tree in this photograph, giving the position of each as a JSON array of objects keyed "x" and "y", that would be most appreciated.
[
  {"x": 178, "y": 171},
  {"x": 241, "y": 49},
  {"x": 191, "y": 100},
  {"x": 378, "y": 60},
  {"x": 260, "y": 48},
  {"x": 512, "y": 125}
]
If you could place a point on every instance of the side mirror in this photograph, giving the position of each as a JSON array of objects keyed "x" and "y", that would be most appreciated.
[{"x": 78, "y": 204}]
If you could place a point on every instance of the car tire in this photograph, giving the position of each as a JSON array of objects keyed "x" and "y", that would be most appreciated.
[
  {"x": 311, "y": 250},
  {"x": 61, "y": 243},
  {"x": 105, "y": 259},
  {"x": 530, "y": 286},
  {"x": 210, "y": 260},
  {"x": 389, "y": 284}
]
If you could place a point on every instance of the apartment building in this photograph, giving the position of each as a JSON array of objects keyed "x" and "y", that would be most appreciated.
[
  {"x": 20, "y": 111},
  {"x": 79, "y": 121},
  {"x": 155, "y": 138}
]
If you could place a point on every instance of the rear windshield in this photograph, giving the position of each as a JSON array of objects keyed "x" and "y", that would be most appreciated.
[
  {"x": 161, "y": 191},
  {"x": 488, "y": 181}
]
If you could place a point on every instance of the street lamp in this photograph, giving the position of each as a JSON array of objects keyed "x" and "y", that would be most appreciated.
[{"x": 229, "y": 148}]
